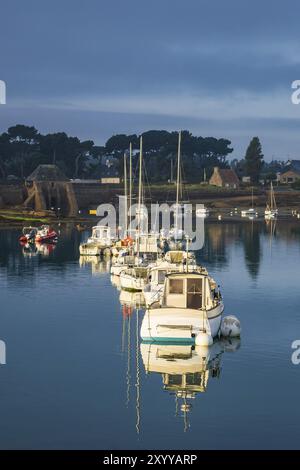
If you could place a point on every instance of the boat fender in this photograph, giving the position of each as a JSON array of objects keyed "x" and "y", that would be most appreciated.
[
  {"x": 203, "y": 339},
  {"x": 231, "y": 327}
]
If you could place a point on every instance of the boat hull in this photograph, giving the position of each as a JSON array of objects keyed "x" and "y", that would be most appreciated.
[
  {"x": 180, "y": 325},
  {"x": 131, "y": 283}
]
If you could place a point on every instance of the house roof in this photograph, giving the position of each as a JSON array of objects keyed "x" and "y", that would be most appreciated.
[
  {"x": 290, "y": 171},
  {"x": 47, "y": 173},
  {"x": 228, "y": 176}
]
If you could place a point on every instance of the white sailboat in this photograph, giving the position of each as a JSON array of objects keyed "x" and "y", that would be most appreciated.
[
  {"x": 271, "y": 210},
  {"x": 250, "y": 213},
  {"x": 191, "y": 305},
  {"x": 176, "y": 234},
  {"x": 134, "y": 277}
]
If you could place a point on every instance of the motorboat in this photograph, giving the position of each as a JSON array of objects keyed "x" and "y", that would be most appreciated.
[
  {"x": 191, "y": 306},
  {"x": 122, "y": 262},
  {"x": 100, "y": 242},
  {"x": 45, "y": 233},
  {"x": 174, "y": 261},
  {"x": 134, "y": 278},
  {"x": 28, "y": 235},
  {"x": 202, "y": 211}
]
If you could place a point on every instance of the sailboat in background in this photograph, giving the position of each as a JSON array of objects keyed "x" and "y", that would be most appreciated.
[
  {"x": 250, "y": 213},
  {"x": 271, "y": 209},
  {"x": 176, "y": 234},
  {"x": 134, "y": 277}
]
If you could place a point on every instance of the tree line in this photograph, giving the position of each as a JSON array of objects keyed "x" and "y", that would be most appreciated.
[{"x": 23, "y": 148}]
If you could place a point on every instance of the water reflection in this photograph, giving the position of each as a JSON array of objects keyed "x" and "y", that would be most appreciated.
[
  {"x": 97, "y": 264},
  {"x": 185, "y": 369},
  {"x": 53, "y": 299},
  {"x": 252, "y": 248}
]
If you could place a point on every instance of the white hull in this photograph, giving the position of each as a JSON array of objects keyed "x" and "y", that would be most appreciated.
[
  {"x": 153, "y": 295},
  {"x": 116, "y": 270},
  {"x": 271, "y": 214},
  {"x": 202, "y": 212},
  {"x": 131, "y": 283},
  {"x": 179, "y": 324},
  {"x": 89, "y": 249},
  {"x": 249, "y": 213}
]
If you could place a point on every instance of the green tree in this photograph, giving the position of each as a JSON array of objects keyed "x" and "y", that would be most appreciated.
[
  {"x": 254, "y": 160},
  {"x": 24, "y": 142}
]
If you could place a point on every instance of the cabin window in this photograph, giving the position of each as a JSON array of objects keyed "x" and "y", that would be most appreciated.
[
  {"x": 176, "y": 286},
  {"x": 194, "y": 293},
  {"x": 161, "y": 277}
]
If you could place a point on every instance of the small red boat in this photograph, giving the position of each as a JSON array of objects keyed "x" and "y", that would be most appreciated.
[
  {"x": 28, "y": 235},
  {"x": 46, "y": 234}
]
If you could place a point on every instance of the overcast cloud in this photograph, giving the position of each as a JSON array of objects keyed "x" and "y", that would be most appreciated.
[{"x": 95, "y": 68}]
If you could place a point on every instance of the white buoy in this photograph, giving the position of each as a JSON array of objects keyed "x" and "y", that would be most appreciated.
[
  {"x": 203, "y": 339},
  {"x": 219, "y": 217},
  {"x": 230, "y": 326}
]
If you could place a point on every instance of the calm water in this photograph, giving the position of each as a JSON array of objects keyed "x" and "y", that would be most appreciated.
[{"x": 75, "y": 376}]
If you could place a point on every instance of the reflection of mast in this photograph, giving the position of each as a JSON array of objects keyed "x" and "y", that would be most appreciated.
[
  {"x": 126, "y": 197},
  {"x": 128, "y": 361},
  {"x": 130, "y": 182},
  {"x": 137, "y": 375},
  {"x": 272, "y": 223},
  {"x": 123, "y": 333}
]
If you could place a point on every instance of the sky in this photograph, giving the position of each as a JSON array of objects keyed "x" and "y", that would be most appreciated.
[{"x": 95, "y": 68}]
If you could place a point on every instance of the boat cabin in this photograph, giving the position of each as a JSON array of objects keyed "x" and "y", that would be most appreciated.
[
  {"x": 147, "y": 244},
  {"x": 189, "y": 290},
  {"x": 101, "y": 233}
]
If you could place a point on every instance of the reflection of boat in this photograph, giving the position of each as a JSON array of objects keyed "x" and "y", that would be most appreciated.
[
  {"x": 271, "y": 209},
  {"x": 28, "y": 235},
  {"x": 45, "y": 233},
  {"x": 191, "y": 304},
  {"x": 185, "y": 369},
  {"x": 132, "y": 299},
  {"x": 45, "y": 249},
  {"x": 98, "y": 265},
  {"x": 29, "y": 249}
]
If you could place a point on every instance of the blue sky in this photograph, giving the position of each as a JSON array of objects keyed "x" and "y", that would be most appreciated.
[{"x": 96, "y": 68}]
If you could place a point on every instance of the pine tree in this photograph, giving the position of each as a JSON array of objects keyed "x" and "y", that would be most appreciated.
[{"x": 254, "y": 160}]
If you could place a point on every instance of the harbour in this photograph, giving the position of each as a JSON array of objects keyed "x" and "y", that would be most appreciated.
[{"x": 72, "y": 345}]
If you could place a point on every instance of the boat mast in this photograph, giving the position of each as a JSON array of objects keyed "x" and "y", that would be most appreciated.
[
  {"x": 130, "y": 181},
  {"x": 126, "y": 197},
  {"x": 273, "y": 200},
  {"x": 140, "y": 196},
  {"x": 178, "y": 179},
  {"x": 187, "y": 254},
  {"x": 178, "y": 168}
]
